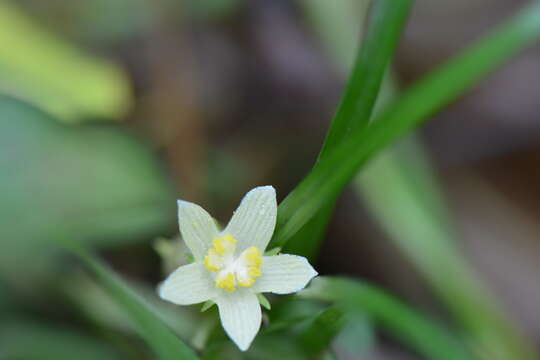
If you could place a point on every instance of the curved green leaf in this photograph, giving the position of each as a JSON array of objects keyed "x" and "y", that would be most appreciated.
[
  {"x": 157, "y": 334},
  {"x": 410, "y": 327},
  {"x": 386, "y": 21},
  {"x": 435, "y": 90}
]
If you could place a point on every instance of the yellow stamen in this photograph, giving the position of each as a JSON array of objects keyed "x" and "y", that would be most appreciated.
[
  {"x": 252, "y": 260},
  {"x": 252, "y": 256},
  {"x": 241, "y": 271},
  {"x": 213, "y": 261},
  {"x": 224, "y": 243},
  {"x": 226, "y": 282}
]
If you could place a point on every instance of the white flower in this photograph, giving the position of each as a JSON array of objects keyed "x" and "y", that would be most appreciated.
[{"x": 230, "y": 268}]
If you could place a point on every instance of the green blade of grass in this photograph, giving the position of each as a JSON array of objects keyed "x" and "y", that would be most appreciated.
[
  {"x": 386, "y": 20},
  {"x": 157, "y": 334},
  {"x": 400, "y": 187},
  {"x": 424, "y": 98},
  {"x": 403, "y": 196},
  {"x": 410, "y": 327},
  {"x": 323, "y": 329}
]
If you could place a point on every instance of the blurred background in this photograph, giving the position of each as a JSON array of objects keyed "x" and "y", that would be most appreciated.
[{"x": 112, "y": 110}]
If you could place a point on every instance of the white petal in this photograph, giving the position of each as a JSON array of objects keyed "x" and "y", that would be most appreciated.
[
  {"x": 284, "y": 274},
  {"x": 189, "y": 284},
  {"x": 254, "y": 220},
  {"x": 240, "y": 314},
  {"x": 197, "y": 228}
]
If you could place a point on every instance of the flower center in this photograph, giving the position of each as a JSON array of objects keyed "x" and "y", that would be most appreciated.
[{"x": 232, "y": 270}]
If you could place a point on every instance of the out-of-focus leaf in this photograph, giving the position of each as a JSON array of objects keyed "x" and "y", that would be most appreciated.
[
  {"x": 322, "y": 330},
  {"x": 212, "y": 8},
  {"x": 414, "y": 329},
  {"x": 291, "y": 312},
  {"x": 99, "y": 308},
  {"x": 265, "y": 347},
  {"x": 30, "y": 340},
  {"x": 356, "y": 337},
  {"x": 92, "y": 183},
  {"x": 43, "y": 69},
  {"x": 338, "y": 25},
  {"x": 157, "y": 334},
  {"x": 400, "y": 192},
  {"x": 424, "y": 98}
]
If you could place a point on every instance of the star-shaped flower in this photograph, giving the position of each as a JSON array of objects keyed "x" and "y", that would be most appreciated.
[{"x": 230, "y": 268}]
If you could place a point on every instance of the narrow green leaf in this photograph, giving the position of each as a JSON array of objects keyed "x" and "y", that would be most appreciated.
[
  {"x": 159, "y": 337},
  {"x": 398, "y": 189},
  {"x": 386, "y": 21},
  {"x": 435, "y": 90},
  {"x": 207, "y": 305},
  {"x": 387, "y": 18},
  {"x": 272, "y": 252},
  {"x": 264, "y": 301},
  {"x": 323, "y": 329},
  {"x": 412, "y": 328}
]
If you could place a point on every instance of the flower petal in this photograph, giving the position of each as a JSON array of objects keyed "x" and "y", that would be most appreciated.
[
  {"x": 197, "y": 228},
  {"x": 189, "y": 284},
  {"x": 240, "y": 315},
  {"x": 254, "y": 220},
  {"x": 284, "y": 274}
]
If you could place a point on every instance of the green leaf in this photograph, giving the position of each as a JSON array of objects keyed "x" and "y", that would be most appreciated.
[
  {"x": 93, "y": 183},
  {"x": 357, "y": 336},
  {"x": 404, "y": 197},
  {"x": 207, "y": 305},
  {"x": 338, "y": 25},
  {"x": 157, "y": 334},
  {"x": 38, "y": 67},
  {"x": 264, "y": 301},
  {"x": 272, "y": 252},
  {"x": 387, "y": 18},
  {"x": 386, "y": 21},
  {"x": 435, "y": 90},
  {"x": 322, "y": 330},
  {"x": 93, "y": 301},
  {"x": 21, "y": 338},
  {"x": 412, "y": 328}
]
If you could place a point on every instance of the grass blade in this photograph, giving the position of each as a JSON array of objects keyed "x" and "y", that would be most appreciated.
[
  {"x": 386, "y": 20},
  {"x": 401, "y": 193},
  {"x": 410, "y": 327},
  {"x": 323, "y": 329},
  {"x": 435, "y": 90},
  {"x": 159, "y": 337}
]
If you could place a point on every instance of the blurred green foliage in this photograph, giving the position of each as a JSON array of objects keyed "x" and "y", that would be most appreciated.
[
  {"x": 33, "y": 340},
  {"x": 43, "y": 69},
  {"x": 98, "y": 186},
  {"x": 94, "y": 184}
]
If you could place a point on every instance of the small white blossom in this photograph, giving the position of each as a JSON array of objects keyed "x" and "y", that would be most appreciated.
[{"x": 230, "y": 268}]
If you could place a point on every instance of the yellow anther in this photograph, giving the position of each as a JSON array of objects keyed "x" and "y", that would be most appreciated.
[
  {"x": 246, "y": 282},
  {"x": 252, "y": 256},
  {"x": 232, "y": 271},
  {"x": 213, "y": 261},
  {"x": 254, "y": 272},
  {"x": 224, "y": 243},
  {"x": 226, "y": 282},
  {"x": 251, "y": 260}
]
